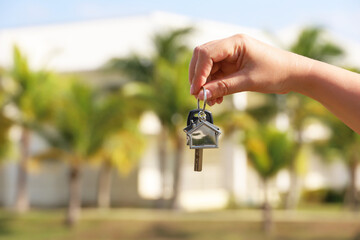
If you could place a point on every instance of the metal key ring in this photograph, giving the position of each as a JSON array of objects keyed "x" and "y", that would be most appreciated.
[{"x": 205, "y": 98}]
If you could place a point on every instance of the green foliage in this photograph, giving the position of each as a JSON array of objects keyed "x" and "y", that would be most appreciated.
[
  {"x": 135, "y": 67},
  {"x": 269, "y": 150},
  {"x": 324, "y": 196},
  {"x": 123, "y": 148},
  {"x": 231, "y": 121},
  {"x": 2, "y": 93},
  {"x": 301, "y": 109},
  {"x": 91, "y": 124},
  {"x": 311, "y": 43},
  {"x": 34, "y": 92},
  {"x": 343, "y": 142},
  {"x": 83, "y": 120},
  {"x": 159, "y": 83},
  {"x": 5, "y": 125},
  {"x": 353, "y": 69},
  {"x": 76, "y": 120},
  {"x": 170, "y": 45},
  {"x": 159, "y": 80},
  {"x": 173, "y": 99},
  {"x": 266, "y": 111}
]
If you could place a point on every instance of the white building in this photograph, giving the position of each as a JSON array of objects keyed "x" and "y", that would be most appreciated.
[{"x": 86, "y": 46}]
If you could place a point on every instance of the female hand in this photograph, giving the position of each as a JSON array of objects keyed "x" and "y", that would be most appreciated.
[{"x": 239, "y": 63}]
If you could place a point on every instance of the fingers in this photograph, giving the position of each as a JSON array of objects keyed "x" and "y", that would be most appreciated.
[
  {"x": 202, "y": 69},
  {"x": 218, "y": 101},
  {"x": 205, "y": 59},
  {"x": 218, "y": 88},
  {"x": 216, "y": 67},
  {"x": 211, "y": 102},
  {"x": 192, "y": 65}
]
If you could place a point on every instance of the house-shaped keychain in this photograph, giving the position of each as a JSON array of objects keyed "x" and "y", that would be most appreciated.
[{"x": 202, "y": 134}]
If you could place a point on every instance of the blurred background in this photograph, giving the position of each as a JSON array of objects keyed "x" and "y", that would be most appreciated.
[{"x": 94, "y": 96}]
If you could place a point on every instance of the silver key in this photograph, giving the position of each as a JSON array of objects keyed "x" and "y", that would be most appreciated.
[
  {"x": 198, "y": 160},
  {"x": 201, "y": 133}
]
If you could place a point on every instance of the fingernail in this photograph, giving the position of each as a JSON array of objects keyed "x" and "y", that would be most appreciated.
[
  {"x": 192, "y": 89},
  {"x": 201, "y": 95},
  {"x": 208, "y": 94}
]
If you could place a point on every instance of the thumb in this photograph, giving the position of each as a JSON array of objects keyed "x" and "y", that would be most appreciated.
[{"x": 221, "y": 87}]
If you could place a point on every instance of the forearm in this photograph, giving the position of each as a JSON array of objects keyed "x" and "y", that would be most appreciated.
[{"x": 336, "y": 88}]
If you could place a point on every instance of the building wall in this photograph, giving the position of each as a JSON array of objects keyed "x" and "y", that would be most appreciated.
[{"x": 226, "y": 173}]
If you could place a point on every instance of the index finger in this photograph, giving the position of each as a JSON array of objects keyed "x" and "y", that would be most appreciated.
[
  {"x": 207, "y": 55},
  {"x": 203, "y": 66},
  {"x": 192, "y": 66}
]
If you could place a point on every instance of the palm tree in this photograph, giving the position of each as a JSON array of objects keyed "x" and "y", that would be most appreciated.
[
  {"x": 32, "y": 97},
  {"x": 121, "y": 151},
  {"x": 269, "y": 150},
  {"x": 235, "y": 124},
  {"x": 164, "y": 91},
  {"x": 5, "y": 124},
  {"x": 231, "y": 121},
  {"x": 344, "y": 144},
  {"x": 84, "y": 119},
  {"x": 313, "y": 44},
  {"x": 310, "y": 43}
]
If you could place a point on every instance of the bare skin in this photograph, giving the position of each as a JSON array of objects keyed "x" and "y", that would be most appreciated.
[{"x": 241, "y": 63}]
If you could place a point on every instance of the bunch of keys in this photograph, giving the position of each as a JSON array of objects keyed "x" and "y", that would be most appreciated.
[{"x": 201, "y": 132}]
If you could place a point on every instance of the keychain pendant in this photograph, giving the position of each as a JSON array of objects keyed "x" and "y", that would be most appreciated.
[{"x": 201, "y": 133}]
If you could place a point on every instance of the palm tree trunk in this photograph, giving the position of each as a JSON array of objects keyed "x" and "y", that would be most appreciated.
[
  {"x": 104, "y": 186},
  {"x": 292, "y": 195},
  {"x": 22, "y": 198},
  {"x": 162, "y": 165},
  {"x": 352, "y": 198},
  {"x": 179, "y": 152},
  {"x": 267, "y": 216},
  {"x": 74, "y": 207}
]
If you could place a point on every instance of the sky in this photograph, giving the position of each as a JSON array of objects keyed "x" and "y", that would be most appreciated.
[{"x": 341, "y": 17}]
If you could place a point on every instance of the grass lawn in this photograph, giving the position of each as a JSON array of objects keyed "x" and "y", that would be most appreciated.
[{"x": 143, "y": 224}]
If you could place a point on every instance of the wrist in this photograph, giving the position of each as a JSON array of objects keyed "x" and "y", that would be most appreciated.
[{"x": 299, "y": 71}]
